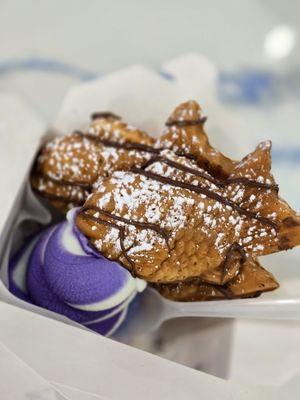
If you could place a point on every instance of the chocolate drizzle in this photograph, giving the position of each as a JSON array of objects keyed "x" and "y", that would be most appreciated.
[
  {"x": 149, "y": 149},
  {"x": 181, "y": 153},
  {"x": 199, "y": 121},
  {"x": 207, "y": 192},
  {"x": 104, "y": 114},
  {"x": 64, "y": 182},
  {"x": 217, "y": 182},
  {"x": 121, "y": 229},
  {"x": 153, "y": 150},
  {"x": 138, "y": 224},
  {"x": 224, "y": 290},
  {"x": 124, "y": 145},
  {"x": 233, "y": 249},
  {"x": 115, "y": 226}
]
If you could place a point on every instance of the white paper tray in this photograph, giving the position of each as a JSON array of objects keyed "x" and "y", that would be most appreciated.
[{"x": 222, "y": 345}]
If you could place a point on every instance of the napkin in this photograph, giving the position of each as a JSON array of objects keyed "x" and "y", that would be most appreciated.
[
  {"x": 19, "y": 381},
  {"x": 69, "y": 356}
]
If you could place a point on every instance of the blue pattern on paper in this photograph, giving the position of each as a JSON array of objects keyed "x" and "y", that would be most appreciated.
[{"x": 46, "y": 65}]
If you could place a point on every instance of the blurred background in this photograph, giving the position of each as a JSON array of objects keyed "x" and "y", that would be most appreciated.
[
  {"x": 46, "y": 47},
  {"x": 249, "y": 41}
]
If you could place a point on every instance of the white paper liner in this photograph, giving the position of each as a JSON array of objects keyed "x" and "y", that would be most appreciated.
[{"x": 143, "y": 98}]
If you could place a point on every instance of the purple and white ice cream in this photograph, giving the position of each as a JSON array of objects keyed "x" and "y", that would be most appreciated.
[{"x": 59, "y": 271}]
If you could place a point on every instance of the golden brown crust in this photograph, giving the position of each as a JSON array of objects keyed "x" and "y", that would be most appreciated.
[
  {"x": 61, "y": 196},
  {"x": 114, "y": 129},
  {"x": 202, "y": 219},
  {"x": 68, "y": 167},
  {"x": 251, "y": 282},
  {"x": 192, "y": 139},
  {"x": 65, "y": 170},
  {"x": 121, "y": 144}
]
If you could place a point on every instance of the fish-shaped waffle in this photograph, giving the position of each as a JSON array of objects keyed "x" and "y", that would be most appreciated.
[
  {"x": 67, "y": 167},
  {"x": 171, "y": 220},
  {"x": 169, "y": 225}
]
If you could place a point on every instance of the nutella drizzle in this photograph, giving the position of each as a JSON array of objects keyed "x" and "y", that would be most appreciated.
[
  {"x": 124, "y": 145},
  {"x": 181, "y": 153},
  {"x": 224, "y": 290},
  {"x": 150, "y": 149},
  {"x": 217, "y": 182},
  {"x": 202, "y": 190},
  {"x": 142, "y": 225},
  {"x": 233, "y": 248},
  {"x": 121, "y": 229},
  {"x": 104, "y": 114},
  {"x": 199, "y": 121},
  {"x": 112, "y": 225}
]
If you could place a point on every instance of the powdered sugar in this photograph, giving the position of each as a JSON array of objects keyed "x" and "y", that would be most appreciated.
[{"x": 139, "y": 198}]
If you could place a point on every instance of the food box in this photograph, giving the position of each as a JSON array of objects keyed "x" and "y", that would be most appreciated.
[{"x": 249, "y": 352}]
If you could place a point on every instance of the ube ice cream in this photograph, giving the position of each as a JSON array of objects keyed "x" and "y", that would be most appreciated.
[{"x": 57, "y": 270}]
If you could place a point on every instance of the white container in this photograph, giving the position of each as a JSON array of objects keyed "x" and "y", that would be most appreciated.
[{"x": 94, "y": 364}]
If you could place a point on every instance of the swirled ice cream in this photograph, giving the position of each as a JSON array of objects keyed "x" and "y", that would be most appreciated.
[{"x": 59, "y": 271}]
